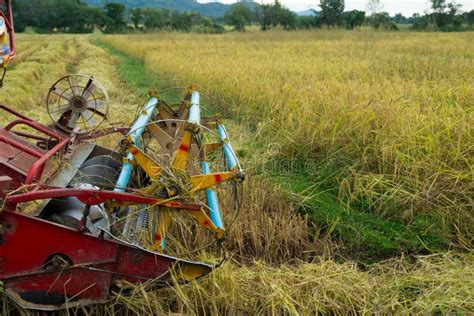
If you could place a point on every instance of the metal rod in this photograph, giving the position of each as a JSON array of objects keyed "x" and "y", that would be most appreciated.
[
  {"x": 211, "y": 195},
  {"x": 135, "y": 132},
  {"x": 96, "y": 197},
  {"x": 229, "y": 152},
  {"x": 36, "y": 171},
  {"x": 195, "y": 110},
  {"x": 213, "y": 201},
  {"x": 12, "y": 111},
  {"x": 30, "y": 136},
  {"x": 125, "y": 174},
  {"x": 36, "y": 126},
  {"x": 21, "y": 147}
]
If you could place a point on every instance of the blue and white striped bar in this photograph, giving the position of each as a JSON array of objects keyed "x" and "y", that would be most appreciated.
[
  {"x": 213, "y": 201},
  {"x": 229, "y": 152},
  {"x": 135, "y": 132},
  {"x": 195, "y": 109}
]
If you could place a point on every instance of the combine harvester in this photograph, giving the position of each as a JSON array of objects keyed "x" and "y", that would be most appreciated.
[{"x": 78, "y": 220}]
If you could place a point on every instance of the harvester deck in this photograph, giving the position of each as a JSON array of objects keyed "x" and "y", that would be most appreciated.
[{"x": 79, "y": 221}]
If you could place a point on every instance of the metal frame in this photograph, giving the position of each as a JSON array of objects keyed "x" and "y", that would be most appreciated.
[
  {"x": 91, "y": 265},
  {"x": 63, "y": 140},
  {"x": 96, "y": 197}
]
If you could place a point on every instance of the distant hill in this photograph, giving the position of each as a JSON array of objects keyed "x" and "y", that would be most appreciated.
[
  {"x": 214, "y": 9},
  {"x": 306, "y": 13}
]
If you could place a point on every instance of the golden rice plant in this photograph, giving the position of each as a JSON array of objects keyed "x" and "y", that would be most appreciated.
[
  {"x": 441, "y": 283},
  {"x": 394, "y": 110},
  {"x": 391, "y": 112},
  {"x": 41, "y": 61}
]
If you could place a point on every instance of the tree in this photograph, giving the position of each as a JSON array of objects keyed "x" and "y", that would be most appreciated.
[
  {"x": 116, "y": 14},
  {"x": 438, "y": 5},
  {"x": 353, "y": 19},
  {"x": 156, "y": 19},
  {"x": 400, "y": 19},
  {"x": 264, "y": 15},
  {"x": 288, "y": 19},
  {"x": 374, "y": 7},
  {"x": 276, "y": 13},
  {"x": 273, "y": 15},
  {"x": 183, "y": 21},
  {"x": 443, "y": 19},
  {"x": 136, "y": 16},
  {"x": 238, "y": 16},
  {"x": 382, "y": 21},
  {"x": 208, "y": 26},
  {"x": 307, "y": 22},
  {"x": 51, "y": 15},
  {"x": 95, "y": 18},
  {"x": 469, "y": 17},
  {"x": 332, "y": 12},
  {"x": 64, "y": 16},
  {"x": 419, "y": 22}
]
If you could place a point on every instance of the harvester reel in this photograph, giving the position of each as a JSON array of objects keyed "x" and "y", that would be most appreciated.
[
  {"x": 176, "y": 154},
  {"x": 77, "y": 104}
]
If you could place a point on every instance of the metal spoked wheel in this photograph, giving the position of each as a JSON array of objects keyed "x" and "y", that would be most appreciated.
[{"x": 77, "y": 103}]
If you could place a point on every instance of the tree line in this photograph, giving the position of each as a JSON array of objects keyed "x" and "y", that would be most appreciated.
[
  {"x": 444, "y": 16},
  {"x": 74, "y": 16}
]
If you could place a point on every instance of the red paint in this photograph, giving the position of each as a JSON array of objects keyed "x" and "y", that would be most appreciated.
[
  {"x": 23, "y": 255},
  {"x": 27, "y": 242},
  {"x": 37, "y": 126},
  {"x": 184, "y": 148},
  {"x": 218, "y": 178},
  {"x": 16, "y": 113},
  {"x": 18, "y": 145},
  {"x": 95, "y": 197},
  {"x": 158, "y": 237},
  {"x": 37, "y": 169},
  {"x": 35, "y": 166}
]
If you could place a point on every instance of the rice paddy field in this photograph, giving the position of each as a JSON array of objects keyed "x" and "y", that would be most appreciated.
[{"x": 359, "y": 151}]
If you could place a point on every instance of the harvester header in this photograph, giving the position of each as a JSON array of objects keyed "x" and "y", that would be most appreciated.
[{"x": 78, "y": 219}]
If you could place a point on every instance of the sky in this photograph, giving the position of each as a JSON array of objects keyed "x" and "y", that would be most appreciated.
[{"x": 406, "y": 7}]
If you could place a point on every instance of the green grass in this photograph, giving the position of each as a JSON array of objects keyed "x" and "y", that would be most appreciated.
[
  {"x": 368, "y": 237},
  {"x": 142, "y": 82},
  {"x": 132, "y": 70}
]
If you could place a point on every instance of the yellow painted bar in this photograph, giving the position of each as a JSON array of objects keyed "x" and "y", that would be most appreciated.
[
  {"x": 205, "y": 221},
  {"x": 181, "y": 159},
  {"x": 206, "y": 181},
  {"x": 151, "y": 168}
]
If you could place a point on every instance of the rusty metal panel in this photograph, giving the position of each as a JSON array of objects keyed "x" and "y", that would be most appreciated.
[
  {"x": 5, "y": 182},
  {"x": 18, "y": 178},
  {"x": 90, "y": 264},
  {"x": 15, "y": 158}
]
